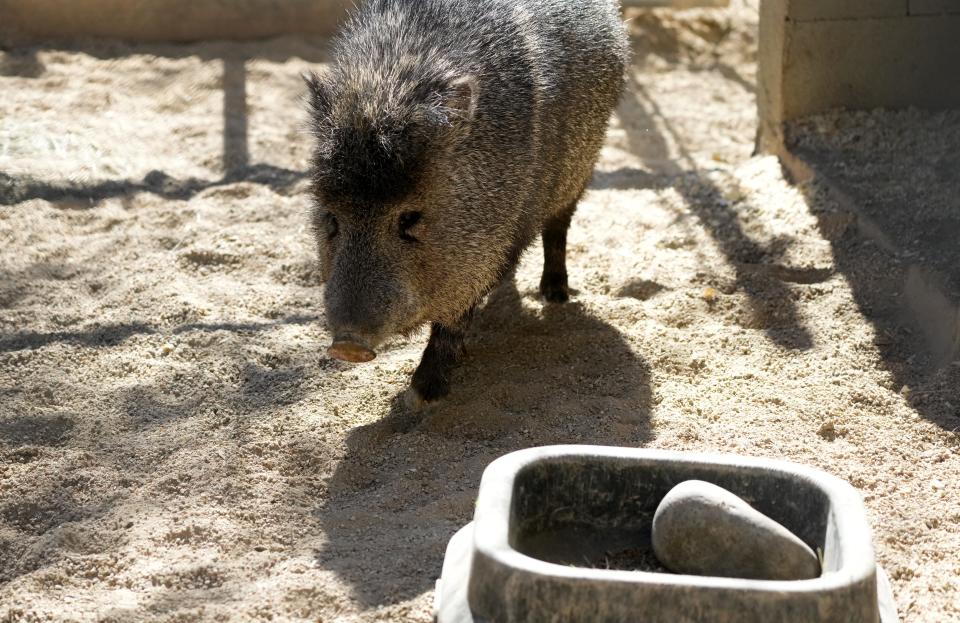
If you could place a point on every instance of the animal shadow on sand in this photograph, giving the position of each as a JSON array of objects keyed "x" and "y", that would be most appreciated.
[{"x": 533, "y": 376}]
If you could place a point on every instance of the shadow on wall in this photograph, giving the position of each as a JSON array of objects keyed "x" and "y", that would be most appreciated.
[{"x": 407, "y": 482}]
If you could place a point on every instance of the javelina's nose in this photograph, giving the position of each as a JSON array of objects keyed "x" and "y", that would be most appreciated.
[{"x": 349, "y": 347}]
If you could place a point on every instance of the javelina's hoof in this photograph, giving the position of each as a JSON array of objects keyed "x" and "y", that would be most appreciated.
[
  {"x": 348, "y": 350},
  {"x": 701, "y": 529},
  {"x": 554, "y": 288},
  {"x": 413, "y": 400},
  {"x": 416, "y": 401},
  {"x": 426, "y": 388}
]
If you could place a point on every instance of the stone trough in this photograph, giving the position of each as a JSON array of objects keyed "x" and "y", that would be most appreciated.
[{"x": 563, "y": 534}]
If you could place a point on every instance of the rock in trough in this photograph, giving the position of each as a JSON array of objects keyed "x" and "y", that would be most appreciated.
[{"x": 702, "y": 529}]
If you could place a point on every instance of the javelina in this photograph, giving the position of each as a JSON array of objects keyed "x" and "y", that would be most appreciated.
[{"x": 449, "y": 133}]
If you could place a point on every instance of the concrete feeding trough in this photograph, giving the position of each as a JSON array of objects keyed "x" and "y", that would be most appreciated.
[{"x": 562, "y": 533}]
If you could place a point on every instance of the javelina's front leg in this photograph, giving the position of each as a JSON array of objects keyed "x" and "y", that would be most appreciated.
[
  {"x": 553, "y": 283},
  {"x": 431, "y": 380}
]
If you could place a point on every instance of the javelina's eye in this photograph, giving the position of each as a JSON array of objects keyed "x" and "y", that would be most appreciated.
[
  {"x": 331, "y": 225},
  {"x": 407, "y": 222}
]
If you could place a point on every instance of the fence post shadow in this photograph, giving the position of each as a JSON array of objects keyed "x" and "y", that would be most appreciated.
[
  {"x": 236, "y": 152},
  {"x": 757, "y": 272}
]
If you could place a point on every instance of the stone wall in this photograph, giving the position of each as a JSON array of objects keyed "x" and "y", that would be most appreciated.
[
  {"x": 189, "y": 20},
  {"x": 857, "y": 54},
  {"x": 167, "y": 20}
]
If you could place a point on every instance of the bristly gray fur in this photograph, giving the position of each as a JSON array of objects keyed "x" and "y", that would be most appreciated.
[{"x": 483, "y": 117}]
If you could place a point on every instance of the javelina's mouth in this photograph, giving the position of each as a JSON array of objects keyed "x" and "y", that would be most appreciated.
[{"x": 349, "y": 348}]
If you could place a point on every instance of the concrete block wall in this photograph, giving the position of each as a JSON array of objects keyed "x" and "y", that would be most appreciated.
[
  {"x": 858, "y": 54},
  {"x": 190, "y": 20},
  {"x": 167, "y": 20},
  {"x": 934, "y": 7},
  {"x": 807, "y": 10}
]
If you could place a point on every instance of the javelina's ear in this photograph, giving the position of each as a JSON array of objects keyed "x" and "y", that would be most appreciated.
[
  {"x": 319, "y": 93},
  {"x": 460, "y": 100}
]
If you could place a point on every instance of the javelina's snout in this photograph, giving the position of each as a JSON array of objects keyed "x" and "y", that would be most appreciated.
[
  {"x": 347, "y": 347},
  {"x": 362, "y": 300}
]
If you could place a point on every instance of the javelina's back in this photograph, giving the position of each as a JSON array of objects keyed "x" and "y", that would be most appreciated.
[{"x": 549, "y": 73}]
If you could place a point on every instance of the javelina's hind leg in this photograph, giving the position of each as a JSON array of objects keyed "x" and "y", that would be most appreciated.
[
  {"x": 431, "y": 380},
  {"x": 553, "y": 283}
]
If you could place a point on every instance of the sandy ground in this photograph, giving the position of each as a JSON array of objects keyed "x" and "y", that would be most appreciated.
[
  {"x": 899, "y": 174},
  {"x": 175, "y": 446}
]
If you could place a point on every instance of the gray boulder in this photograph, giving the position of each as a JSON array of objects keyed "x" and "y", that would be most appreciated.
[{"x": 702, "y": 529}]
